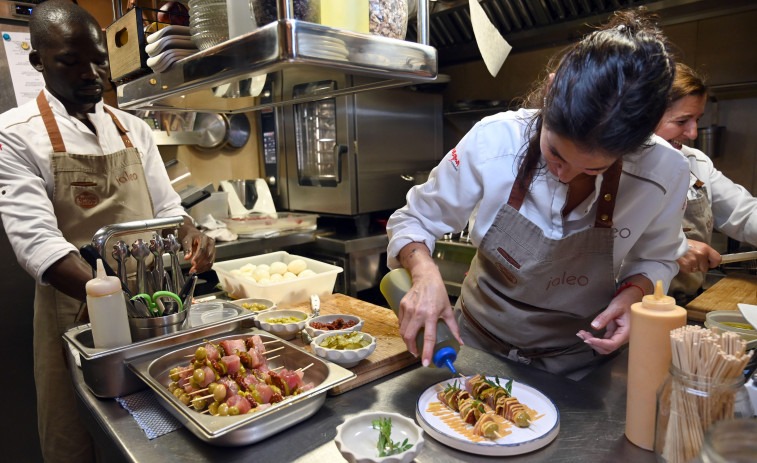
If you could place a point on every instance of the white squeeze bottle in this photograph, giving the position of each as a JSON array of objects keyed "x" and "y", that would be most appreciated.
[
  {"x": 107, "y": 310},
  {"x": 649, "y": 355},
  {"x": 394, "y": 286}
]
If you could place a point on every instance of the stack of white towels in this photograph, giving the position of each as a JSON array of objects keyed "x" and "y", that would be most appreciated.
[{"x": 167, "y": 46}]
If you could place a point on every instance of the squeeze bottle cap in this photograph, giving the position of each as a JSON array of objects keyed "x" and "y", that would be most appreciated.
[
  {"x": 102, "y": 284},
  {"x": 658, "y": 300},
  {"x": 446, "y": 357}
]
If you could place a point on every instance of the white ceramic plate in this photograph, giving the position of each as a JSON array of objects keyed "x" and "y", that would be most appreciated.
[{"x": 542, "y": 431}]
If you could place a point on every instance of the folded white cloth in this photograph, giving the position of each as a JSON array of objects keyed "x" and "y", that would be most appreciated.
[{"x": 216, "y": 229}]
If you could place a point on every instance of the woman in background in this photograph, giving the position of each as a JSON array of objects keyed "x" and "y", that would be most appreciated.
[{"x": 713, "y": 200}]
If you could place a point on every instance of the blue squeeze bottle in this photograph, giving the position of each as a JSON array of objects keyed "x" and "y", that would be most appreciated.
[{"x": 394, "y": 286}]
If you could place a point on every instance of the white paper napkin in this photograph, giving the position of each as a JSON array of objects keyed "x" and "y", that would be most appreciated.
[{"x": 493, "y": 47}]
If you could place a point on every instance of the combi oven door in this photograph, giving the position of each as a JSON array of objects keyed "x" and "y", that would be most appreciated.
[{"x": 319, "y": 145}]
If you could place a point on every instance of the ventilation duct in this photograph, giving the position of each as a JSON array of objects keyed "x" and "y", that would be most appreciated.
[{"x": 532, "y": 24}]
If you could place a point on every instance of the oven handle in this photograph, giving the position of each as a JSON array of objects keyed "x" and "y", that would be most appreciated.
[{"x": 339, "y": 151}]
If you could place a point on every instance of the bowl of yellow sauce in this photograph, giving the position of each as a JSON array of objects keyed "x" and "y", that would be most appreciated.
[{"x": 732, "y": 320}]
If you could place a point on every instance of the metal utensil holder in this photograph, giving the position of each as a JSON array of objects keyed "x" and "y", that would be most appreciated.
[
  {"x": 101, "y": 237},
  {"x": 105, "y": 233}
]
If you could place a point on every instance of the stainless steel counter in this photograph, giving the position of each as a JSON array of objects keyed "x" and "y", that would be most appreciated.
[{"x": 592, "y": 420}]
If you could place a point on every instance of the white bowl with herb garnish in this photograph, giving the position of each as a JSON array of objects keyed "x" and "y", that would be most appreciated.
[{"x": 362, "y": 437}]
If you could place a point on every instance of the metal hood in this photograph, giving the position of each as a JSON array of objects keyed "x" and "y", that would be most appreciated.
[{"x": 532, "y": 24}]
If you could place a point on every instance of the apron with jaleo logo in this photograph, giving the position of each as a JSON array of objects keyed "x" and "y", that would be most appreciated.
[
  {"x": 697, "y": 225},
  {"x": 526, "y": 295},
  {"x": 90, "y": 191}
]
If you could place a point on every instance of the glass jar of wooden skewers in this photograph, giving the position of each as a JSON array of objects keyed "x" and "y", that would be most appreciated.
[{"x": 704, "y": 386}]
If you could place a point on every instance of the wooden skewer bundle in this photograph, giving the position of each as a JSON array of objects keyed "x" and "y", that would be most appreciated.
[{"x": 711, "y": 365}]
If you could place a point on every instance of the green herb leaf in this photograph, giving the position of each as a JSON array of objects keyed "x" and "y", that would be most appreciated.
[{"x": 385, "y": 445}]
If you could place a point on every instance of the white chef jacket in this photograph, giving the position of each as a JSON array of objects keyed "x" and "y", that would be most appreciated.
[
  {"x": 734, "y": 209},
  {"x": 26, "y": 176},
  {"x": 479, "y": 174}
]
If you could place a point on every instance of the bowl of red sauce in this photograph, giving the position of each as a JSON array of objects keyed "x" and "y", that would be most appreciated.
[{"x": 321, "y": 324}]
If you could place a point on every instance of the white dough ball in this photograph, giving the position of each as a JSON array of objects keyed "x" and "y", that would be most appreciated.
[
  {"x": 276, "y": 277},
  {"x": 289, "y": 276},
  {"x": 237, "y": 271},
  {"x": 264, "y": 281},
  {"x": 296, "y": 266},
  {"x": 306, "y": 273},
  {"x": 259, "y": 274},
  {"x": 264, "y": 267},
  {"x": 277, "y": 268},
  {"x": 247, "y": 268}
]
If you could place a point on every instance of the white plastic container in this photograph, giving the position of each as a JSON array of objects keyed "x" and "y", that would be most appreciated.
[
  {"x": 107, "y": 310},
  {"x": 284, "y": 292}
]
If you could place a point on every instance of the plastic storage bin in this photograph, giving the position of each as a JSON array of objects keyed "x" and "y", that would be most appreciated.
[{"x": 284, "y": 292}]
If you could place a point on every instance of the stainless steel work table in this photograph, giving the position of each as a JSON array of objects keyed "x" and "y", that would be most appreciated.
[{"x": 592, "y": 420}]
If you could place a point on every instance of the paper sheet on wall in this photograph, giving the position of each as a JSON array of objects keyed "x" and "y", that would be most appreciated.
[
  {"x": 27, "y": 82},
  {"x": 494, "y": 48}
]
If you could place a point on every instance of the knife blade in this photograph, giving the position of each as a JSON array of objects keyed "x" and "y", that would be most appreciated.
[{"x": 738, "y": 257}]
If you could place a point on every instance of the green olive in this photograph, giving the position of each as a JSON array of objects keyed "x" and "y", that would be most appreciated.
[
  {"x": 178, "y": 392},
  {"x": 522, "y": 420},
  {"x": 185, "y": 398},
  {"x": 174, "y": 374},
  {"x": 172, "y": 387},
  {"x": 200, "y": 353},
  {"x": 199, "y": 376},
  {"x": 213, "y": 408},
  {"x": 219, "y": 393},
  {"x": 233, "y": 410},
  {"x": 223, "y": 410},
  {"x": 212, "y": 387},
  {"x": 198, "y": 403}
]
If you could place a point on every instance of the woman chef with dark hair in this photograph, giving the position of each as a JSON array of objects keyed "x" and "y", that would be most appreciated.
[{"x": 578, "y": 210}]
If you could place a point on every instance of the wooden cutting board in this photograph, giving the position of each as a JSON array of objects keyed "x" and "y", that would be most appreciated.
[
  {"x": 390, "y": 354},
  {"x": 724, "y": 295}
]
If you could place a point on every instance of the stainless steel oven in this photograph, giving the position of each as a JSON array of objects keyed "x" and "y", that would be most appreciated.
[{"x": 351, "y": 154}]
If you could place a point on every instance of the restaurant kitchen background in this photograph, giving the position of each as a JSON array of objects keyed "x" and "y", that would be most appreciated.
[{"x": 712, "y": 36}]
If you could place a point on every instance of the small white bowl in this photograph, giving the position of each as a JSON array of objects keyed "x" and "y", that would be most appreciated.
[
  {"x": 285, "y": 331},
  {"x": 313, "y": 332},
  {"x": 269, "y": 304},
  {"x": 348, "y": 357},
  {"x": 357, "y": 440}
]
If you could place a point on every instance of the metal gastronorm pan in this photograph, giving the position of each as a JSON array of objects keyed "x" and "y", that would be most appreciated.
[
  {"x": 104, "y": 370},
  {"x": 251, "y": 427}
]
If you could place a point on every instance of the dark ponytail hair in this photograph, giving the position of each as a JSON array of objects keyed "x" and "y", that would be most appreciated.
[{"x": 609, "y": 91}]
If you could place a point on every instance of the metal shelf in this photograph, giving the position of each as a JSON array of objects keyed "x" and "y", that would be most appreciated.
[{"x": 204, "y": 81}]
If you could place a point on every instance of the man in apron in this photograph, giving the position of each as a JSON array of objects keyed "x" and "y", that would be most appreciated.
[{"x": 69, "y": 165}]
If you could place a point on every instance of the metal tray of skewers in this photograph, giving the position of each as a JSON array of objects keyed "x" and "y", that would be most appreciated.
[
  {"x": 104, "y": 370},
  {"x": 210, "y": 417}
]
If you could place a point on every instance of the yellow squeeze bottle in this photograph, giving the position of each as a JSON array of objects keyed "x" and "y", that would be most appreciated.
[
  {"x": 394, "y": 286},
  {"x": 649, "y": 357}
]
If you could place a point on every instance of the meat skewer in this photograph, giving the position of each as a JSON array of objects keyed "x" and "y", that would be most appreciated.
[
  {"x": 236, "y": 377},
  {"x": 500, "y": 399},
  {"x": 472, "y": 411}
]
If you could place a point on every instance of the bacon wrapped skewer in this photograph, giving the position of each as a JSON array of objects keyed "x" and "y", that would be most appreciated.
[
  {"x": 500, "y": 399},
  {"x": 485, "y": 422}
]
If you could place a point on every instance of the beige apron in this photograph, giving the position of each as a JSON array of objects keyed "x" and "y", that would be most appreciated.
[
  {"x": 697, "y": 225},
  {"x": 526, "y": 296},
  {"x": 90, "y": 191}
]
